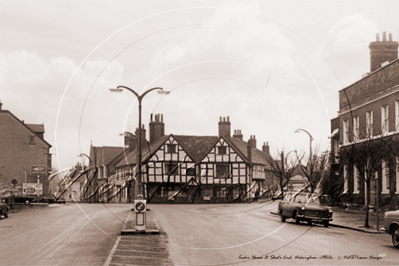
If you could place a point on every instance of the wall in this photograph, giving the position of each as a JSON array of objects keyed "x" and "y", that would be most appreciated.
[{"x": 16, "y": 153}]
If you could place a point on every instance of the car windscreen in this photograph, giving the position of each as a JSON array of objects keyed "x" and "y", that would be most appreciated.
[{"x": 303, "y": 198}]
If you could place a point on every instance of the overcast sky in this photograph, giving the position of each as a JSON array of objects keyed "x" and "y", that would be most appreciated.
[{"x": 271, "y": 66}]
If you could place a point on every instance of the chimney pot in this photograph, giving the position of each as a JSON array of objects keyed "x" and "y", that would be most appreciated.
[
  {"x": 377, "y": 39},
  {"x": 381, "y": 52}
]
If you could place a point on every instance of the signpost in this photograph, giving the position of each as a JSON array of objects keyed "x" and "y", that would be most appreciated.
[{"x": 32, "y": 188}]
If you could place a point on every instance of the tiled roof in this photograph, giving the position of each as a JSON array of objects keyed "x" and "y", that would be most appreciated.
[
  {"x": 146, "y": 151},
  {"x": 196, "y": 146},
  {"x": 258, "y": 156},
  {"x": 37, "y": 128},
  {"x": 105, "y": 154}
]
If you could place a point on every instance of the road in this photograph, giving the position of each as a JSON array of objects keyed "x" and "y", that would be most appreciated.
[
  {"x": 229, "y": 234},
  {"x": 247, "y": 234},
  {"x": 59, "y": 234}
]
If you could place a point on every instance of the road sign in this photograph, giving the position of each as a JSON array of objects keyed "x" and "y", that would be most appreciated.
[
  {"x": 33, "y": 188},
  {"x": 38, "y": 170}
]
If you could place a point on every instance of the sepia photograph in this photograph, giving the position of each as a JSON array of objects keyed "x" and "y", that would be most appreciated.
[{"x": 199, "y": 132}]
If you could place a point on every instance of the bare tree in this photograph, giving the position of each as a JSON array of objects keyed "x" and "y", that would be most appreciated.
[
  {"x": 282, "y": 168},
  {"x": 316, "y": 168},
  {"x": 368, "y": 152}
]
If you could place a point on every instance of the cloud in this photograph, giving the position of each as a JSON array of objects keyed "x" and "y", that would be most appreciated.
[{"x": 33, "y": 89}]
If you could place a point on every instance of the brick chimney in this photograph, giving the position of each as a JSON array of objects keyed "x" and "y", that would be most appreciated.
[
  {"x": 249, "y": 152},
  {"x": 224, "y": 127},
  {"x": 265, "y": 147},
  {"x": 382, "y": 51},
  {"x": 130, "y": 141},
  {"x": 252, "y": 141},
  {"x": 143, "y": 139},
  {"x": 157, "y": 127},
  {"x": 237, "y": 134}
]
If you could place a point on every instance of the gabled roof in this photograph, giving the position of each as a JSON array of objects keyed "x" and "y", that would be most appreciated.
[
  {"x": 146, "y": 151},
  {"x": 104, "y": 155},
  {"x": 25, "y": 125},
  {"x": 37, "y": 128},
  {"x": 258, "y": 156},
  {"x": 196, "y": 146}
]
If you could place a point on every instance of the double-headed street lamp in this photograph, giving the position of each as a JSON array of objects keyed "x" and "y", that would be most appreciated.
[{"x": 138, "y": 187}]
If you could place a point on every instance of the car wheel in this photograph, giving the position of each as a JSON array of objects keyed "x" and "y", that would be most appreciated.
[
  {"x": 6, "y": 214},
  {"x": 27, "y": 202},
  {"x": 282, "y": 216},
  {"x": 296, "y": 218},
  {"x": 395, "y": 237},
  {"x": 326, "y": 223}
]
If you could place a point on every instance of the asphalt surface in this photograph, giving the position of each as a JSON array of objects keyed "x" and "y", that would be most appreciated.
[{"x": 208, "y": 234}]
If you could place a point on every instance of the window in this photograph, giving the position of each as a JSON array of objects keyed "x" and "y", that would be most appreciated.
[
  {"x": 219, "y": 192},
  {"x": 355, "y": 128},
  {"x": 32, "y": 140},
  {"x": 190, "y": 171},
  {"x": 397, "y": 116},
  {"x": 355, "y": 180},
  {"x": 171, "y": 148},
  {"x": 171, "y": 168},
  {"x": 346, "y": 131},
  {"x": 384, "y": 119},
  {"x": 345, "y": 178},
  {"x": 369, "y": 124},
  {"x": 385, "y": 178},
  {"x": 222, "y": 170},
  {"x": 222, "y": 149}
]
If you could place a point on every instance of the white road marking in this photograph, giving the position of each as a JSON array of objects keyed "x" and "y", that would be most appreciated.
[{"x": 111, "y": 254}]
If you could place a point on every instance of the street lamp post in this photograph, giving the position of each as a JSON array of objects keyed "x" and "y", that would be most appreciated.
[
  {"x": 82, "y": 154},
  {"x": 138, "y": 188},
  {"x": 311, "y": 139}
]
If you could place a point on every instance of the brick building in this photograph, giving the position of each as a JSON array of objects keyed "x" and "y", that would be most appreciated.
[
  {"x": 368, "y": 110},
  {"x": 24, "y": 155},
  {"x": 183, "y": 169}
]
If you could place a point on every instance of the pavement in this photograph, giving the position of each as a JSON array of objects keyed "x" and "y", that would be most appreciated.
[
  {"x": 354, "y": 220},
  {"x": 140, "y": 247}
]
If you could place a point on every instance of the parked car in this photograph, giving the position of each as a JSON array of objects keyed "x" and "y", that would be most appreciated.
[
  {"x": 304, "y": 207},
  {"x": 391, "y": 226},
  {"x": 51, "y": 200},
  {"x": 21, "y": 198},
  {"x": 4, "y": 208}
]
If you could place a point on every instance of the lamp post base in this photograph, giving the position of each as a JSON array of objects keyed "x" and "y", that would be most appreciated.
[{"x": 139, "y": 232}]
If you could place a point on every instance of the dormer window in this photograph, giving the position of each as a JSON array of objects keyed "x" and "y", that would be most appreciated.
[
  {"x": 171, "y": 148},
  {"x": 32, "y": 140}
]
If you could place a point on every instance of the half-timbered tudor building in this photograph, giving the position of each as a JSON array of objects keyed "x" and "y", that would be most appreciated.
[{"x": 199, "y": 169}]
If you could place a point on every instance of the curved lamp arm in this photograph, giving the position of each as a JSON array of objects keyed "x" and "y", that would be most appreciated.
[{"x": 297, "y": 131}]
